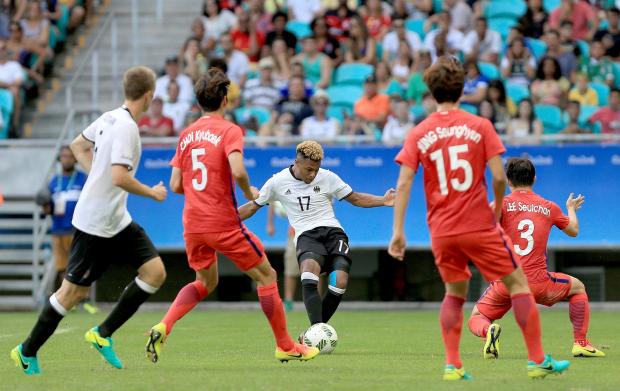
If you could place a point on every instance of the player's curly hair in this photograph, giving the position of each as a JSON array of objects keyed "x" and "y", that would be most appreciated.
[
  {"x": 445, "y": 79},
  {"x": 211, "y": 89},
  {"x": 310, "y": 150}
]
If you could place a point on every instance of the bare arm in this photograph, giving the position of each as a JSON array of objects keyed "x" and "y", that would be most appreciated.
[
  {"x": 271, "y": 228},
  {"x": 83, "y": 151},
  {"x": 326, "y": 73},
  {"x": 365, "y": 200},
  {"x": 248, "y": 210},
  {"x": 235, "y": 159},
  {"x": 499, "y": 183},
  {"x": 176, "y": 181},
  {"x": 403, "y": 190},
  {"x": 572, "y": 205},
  {"x": 122, "y": 179}
]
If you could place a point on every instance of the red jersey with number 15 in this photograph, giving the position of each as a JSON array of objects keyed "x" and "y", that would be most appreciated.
[
  {"x": 202, "y": 156},
  {"x": 453, "y": 148},
  {"x": 527, "y": 219}
]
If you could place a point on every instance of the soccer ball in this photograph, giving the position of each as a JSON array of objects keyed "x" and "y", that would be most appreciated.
[
  {"x": 278, "y": 208},
  {"x": 321, "y": 336}
]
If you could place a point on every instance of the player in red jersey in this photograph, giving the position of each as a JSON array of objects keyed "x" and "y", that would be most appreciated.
[
  {"x": 454, "y": 148},
  {"x": 208, "y": 157},
  {"x": 527, "y": 219}
]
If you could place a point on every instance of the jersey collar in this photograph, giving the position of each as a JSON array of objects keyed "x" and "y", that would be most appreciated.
[{"x": 290, "y": 169}]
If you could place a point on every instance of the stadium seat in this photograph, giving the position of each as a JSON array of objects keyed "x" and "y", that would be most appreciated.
[
  {"x": 353, "y": 74},
  {"x": 63, "y": 22},
  {"x": 300, "y": 29},
  {"x": 344, "y": 95},
  {"x": 261, "y": 114},
  {"x": 597, "y": 128},
  {"x": 417, "y": 26},
  {"x": 417, "y": 111},
  {"x": 517, "y": 92},
  {"x": 502, "y": 25},
  {"x": 437, "y": 5},
  {"x": 602, "y": 90},
  {"x": 490, "y": 70},
  {"x": 505, "y": 9},
  {"x": 586, "y": 111},
  {"x": 616, "y": 67},
  {"x": 584, "y": 47},
  {"x": 6, "y": 109},
  {"x": 550, "y": 5},
  {"x": 379, "y": 50},
  {"x": 538, "y": 47},
  {"x": 469, "y": 108},
  {"x": 338, "y": 112},
  {"x": 550, "y": 116}
]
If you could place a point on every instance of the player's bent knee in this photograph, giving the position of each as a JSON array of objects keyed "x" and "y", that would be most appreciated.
[
  {"x": 577, "y": 286},
  {"x": 309, "y": 278},
  {"x": 153, "y": 272}
]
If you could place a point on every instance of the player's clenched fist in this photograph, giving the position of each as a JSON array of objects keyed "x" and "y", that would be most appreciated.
[
  {"x": 159, "y": 192},
  {"x": 397, "y": 247}
]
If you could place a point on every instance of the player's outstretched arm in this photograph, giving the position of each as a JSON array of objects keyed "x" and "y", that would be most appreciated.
[
  {"x": 365, "y": 200},
  {"x": 572, "y": 205},
  {"x": 403, "y": 190},
  {"x": 83, "y": 151},
  {"x": 248, "y": 210},
  {"x": 122, "y": 179},
  {"x": 499, "y": 183},
  {"x": 235, "y": 159}
]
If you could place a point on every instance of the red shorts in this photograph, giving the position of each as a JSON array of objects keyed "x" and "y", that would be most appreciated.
[
  {"x": 495, "y": 301},
  {"x": 489, "y": 250},
  {"x": 239, "y": 245}
]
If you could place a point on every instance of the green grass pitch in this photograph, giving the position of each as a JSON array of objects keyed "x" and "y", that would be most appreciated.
[{"x": 233, "y": 350}]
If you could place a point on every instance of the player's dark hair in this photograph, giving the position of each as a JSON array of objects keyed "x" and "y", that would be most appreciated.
[
  {"x": 520, "y": 172},
  {"x": 211, "y": 89},
  {"x": 445, "y": 79},
  {"x": 137, "y": 81}
]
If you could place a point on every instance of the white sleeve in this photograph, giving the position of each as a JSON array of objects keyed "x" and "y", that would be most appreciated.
[
  {"x": 124, "y": 146},
  {"x": 496, "y": 43},
  {"x": 468, "y": 42},
  {"x": 337, "y": 187},
  {"x": 90, "y": 133},
  {"x": 266, "y": 193}
]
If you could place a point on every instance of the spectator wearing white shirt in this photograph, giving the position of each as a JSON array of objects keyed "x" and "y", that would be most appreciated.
[
  {"x": 175, "y": 108},
  {"x": 482, "y": 44},
  {"x": 391, "y": 41},
  {"x": 303, "y": 10},
  {"x": 217, "y": 21},
  {"x": 454, "y": 38},
  {"x": 262, "y": 91},
  {"x": 461, "y": 14},
  {"x": 398, "y": 125},
  {"x": 319, "y": 126},
  {"x": 173, "y": 73},
  {"x": 238, "y": 62},
  {"x": 11, "y": 78}
]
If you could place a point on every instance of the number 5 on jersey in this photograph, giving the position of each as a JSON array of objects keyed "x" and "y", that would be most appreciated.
[{"x": 201, "y": 184}]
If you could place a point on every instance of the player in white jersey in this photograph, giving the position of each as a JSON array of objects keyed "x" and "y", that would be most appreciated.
[
  {"x": 109, "y": 150},
  {"x": 306, "y": 192}
]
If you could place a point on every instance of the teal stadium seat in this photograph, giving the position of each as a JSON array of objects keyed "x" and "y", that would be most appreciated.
[
  {"x": 586, "y": 111},
  {"x": 6, "y": 109},
  {"x": 550, "y": 116},
  {"x": 538, "y": 47},
  {"x": 300, "y": 29},
  {"x": 354, "y": 74},
  {"x": 616, "y": 68},
  {"x": 344, "y": 95},
  {"x": 517, "y": 92},
  {"x": 502, "y": 25},
  {"x": 490, "y": 70},
  {"x": 63, "y": 22},
  {"x": 260, "y": 113},
  {"x": 469, "y": 108},
  {"x": 338, "y": 112},
  {"x": 417, "y": 26},
  {"x": 602, "y": 90},
  {"x": 437, "y": 5},
  {"x": 505, "y": 9},
  {"x": 550, "y": 5},
  {"x": 584, "y": 47},
  {"x": 417, "y": 111}
]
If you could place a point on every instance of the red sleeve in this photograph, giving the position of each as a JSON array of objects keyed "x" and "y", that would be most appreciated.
[
  {"x": 558, "y": 218},
  {"x": 492, "y": 144},
  {"x": 554, "y": 18},
  {"x": 176, "y": 159},
  {"x": 233, "y": 140},
  {"x": 409, "y": 155}
]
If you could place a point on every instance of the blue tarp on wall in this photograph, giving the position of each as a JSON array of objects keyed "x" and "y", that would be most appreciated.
[{"x": 591, "y": 170}]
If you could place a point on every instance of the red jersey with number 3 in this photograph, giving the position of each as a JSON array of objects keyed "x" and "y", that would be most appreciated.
[
  {"x": 453, "y": 148},
  {"x": 202, "y": 156},
  {"x": 527, "y": 219}
]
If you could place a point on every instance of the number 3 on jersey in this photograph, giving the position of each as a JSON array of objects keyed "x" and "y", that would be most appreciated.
[
  {"x": 201, "y": 184},
  {"x": 455, "y": 164},
  {"x": 527, "y": 228}
]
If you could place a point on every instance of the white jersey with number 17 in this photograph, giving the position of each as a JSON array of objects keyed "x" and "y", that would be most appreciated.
[{"x": 307, "y": 205}]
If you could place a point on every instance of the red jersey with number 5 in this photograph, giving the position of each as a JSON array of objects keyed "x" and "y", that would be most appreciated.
[
  {"x": 202, "y": 156},
  {"x": 527, "y": 219},
  {"x": 453, "y": 148}
]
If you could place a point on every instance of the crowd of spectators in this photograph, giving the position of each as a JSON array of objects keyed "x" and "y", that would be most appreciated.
[
  {"x": 32, "y": 32},
  {"x": 323, "y": 68}
]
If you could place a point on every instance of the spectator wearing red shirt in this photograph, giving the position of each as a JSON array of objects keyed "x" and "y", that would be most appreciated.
[
  {"x": 377, "y": 22},
  {"x": 339, "y": 20},
  {"x": 246, "y": 37},
  {"x": 609, "y": 116},
  {"x": 155, "y": 123},
  {"x": 584, "y": 18}
]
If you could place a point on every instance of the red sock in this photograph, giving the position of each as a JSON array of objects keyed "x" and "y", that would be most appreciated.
[
  {"x": 271, "y": 304},
  {"x": 526, "y": 315},
  {"x": 451, "y": 321},
  {"x": 187, "y": 298},
  {"x": 479, "y": 325},
  {"x": 579, "y": 312}
]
